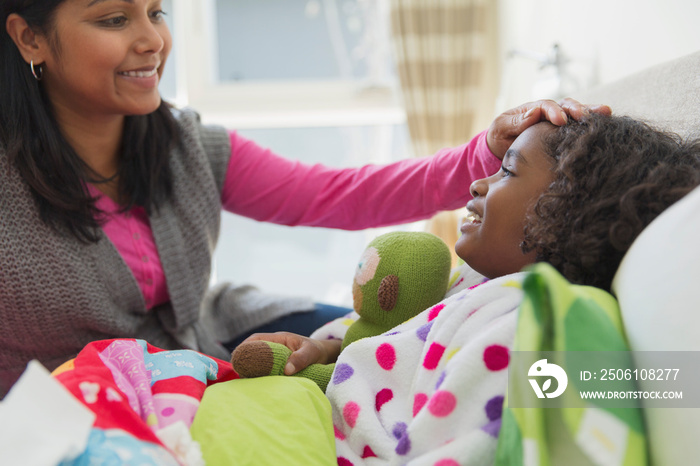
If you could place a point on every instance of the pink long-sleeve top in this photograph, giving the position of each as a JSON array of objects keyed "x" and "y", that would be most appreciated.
[{"x": 266, "y": 187}]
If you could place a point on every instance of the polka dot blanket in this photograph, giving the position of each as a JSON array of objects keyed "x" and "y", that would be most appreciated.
[{"x": 431, "y": 390}]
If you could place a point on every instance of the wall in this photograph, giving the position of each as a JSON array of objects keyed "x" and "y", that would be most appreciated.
[{"x": 605, "y": 40}]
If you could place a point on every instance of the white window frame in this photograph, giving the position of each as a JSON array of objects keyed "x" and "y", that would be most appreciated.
[{"x": 266, "y": 104}]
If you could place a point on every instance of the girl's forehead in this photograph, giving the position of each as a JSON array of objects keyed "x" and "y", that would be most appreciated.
[
  {"x": 530, "y": 144},
  {"x": 536, "y": 133}
]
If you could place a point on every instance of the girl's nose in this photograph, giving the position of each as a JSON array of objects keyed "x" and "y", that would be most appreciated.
[{"x": 479, "y": 187}]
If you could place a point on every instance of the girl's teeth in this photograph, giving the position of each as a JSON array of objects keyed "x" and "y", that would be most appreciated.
[{"x": 473, "y": 217}]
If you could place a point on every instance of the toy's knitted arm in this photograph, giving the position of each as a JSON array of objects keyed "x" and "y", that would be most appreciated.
[
  {"x": 399, "y": 275},
  {"x": 262, "y": 358}
]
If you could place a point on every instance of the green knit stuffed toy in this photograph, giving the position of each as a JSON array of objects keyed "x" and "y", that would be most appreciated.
[{"x": 399, "y": 275}]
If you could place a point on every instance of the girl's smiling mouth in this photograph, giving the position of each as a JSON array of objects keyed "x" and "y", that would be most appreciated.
[{"x": 472, "y": 217}]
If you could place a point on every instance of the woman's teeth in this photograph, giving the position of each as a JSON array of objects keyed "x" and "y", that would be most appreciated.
[{"x": 139, "y": 74}]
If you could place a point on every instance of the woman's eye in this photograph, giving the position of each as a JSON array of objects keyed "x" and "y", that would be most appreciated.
[
  {"x": 114, "y": 22},
  {"x": 158, "y": 15}
]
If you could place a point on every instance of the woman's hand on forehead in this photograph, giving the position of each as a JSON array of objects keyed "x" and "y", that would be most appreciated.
[
  {"x": 506, "y": 127},
  {"x": 578, "y": 111}
]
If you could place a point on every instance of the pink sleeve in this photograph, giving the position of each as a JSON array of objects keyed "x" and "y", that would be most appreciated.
[{"x": 266, "y": 187}]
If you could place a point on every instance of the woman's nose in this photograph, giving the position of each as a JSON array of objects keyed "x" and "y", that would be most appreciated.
[{"x": 150, "y": 40}]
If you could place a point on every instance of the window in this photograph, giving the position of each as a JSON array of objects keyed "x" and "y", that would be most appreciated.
[
  {"x": 285, "y": 63},
  {"x": 299, "y": 40}
]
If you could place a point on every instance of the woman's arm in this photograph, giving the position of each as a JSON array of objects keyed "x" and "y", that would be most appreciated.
[{"x": 264, "y": 186}]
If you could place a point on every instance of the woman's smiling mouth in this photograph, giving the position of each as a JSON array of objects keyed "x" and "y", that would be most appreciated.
[
  {"x": 145, "y": 77},
  {"x": 139, "y": 74}
]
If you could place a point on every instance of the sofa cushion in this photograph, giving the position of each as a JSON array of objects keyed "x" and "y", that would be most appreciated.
[
  {"x": 666, "y": 95},
  {"x": 657, "y": 288}
]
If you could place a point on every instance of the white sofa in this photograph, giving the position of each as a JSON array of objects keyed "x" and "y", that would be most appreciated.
[{"x": 656, "y": 282}]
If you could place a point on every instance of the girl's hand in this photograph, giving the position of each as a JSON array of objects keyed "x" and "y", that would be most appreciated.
[
  {"x": 507, "y": 126},
  {"x": 305, "y": 350}
]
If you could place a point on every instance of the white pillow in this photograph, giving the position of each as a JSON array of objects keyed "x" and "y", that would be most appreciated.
[{"x": 658, "y": 288}]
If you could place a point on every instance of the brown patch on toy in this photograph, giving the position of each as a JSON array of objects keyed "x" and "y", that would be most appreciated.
[
  {"x": 252, "y": 359},
  {"x": 388, "y": 292}
]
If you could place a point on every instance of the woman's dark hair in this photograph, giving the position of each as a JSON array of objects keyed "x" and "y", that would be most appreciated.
[
  {"x": 34, "y": 144},
  {"x": 612, "y": 177}
]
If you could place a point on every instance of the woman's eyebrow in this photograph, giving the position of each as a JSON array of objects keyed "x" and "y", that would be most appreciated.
[{"x": 95, "y": 2}]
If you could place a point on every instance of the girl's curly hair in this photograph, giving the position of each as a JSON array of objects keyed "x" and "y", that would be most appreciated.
[{"x": 612, "y": 177}]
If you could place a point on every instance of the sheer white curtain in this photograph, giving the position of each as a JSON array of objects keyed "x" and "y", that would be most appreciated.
[{"x": 446, "y": 62}]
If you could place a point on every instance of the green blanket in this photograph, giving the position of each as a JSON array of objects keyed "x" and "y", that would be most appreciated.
[
  {"x": 270, "y": 420},
  {"x": 566, "y": 323}
]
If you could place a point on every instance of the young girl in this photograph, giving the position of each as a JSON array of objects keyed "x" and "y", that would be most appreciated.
[
  {"x": 111, "y": 199},
  {"x": 431, "y": 390}
]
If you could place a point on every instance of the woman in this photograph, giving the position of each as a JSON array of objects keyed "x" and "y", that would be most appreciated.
[{"x": 111, "y": 199}]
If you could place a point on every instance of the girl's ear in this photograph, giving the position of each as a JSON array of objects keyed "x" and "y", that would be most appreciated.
[{"x": 31, "y": 45}]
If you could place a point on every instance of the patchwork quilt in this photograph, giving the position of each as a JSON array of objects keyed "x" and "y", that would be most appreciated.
[{"x": 144, "y": 399}]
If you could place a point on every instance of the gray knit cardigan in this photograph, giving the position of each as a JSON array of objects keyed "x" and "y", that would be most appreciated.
[{"x": 58, "y": 294}]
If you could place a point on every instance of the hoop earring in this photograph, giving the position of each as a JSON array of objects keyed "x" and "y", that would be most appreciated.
[{"x": 37, "y": 72}]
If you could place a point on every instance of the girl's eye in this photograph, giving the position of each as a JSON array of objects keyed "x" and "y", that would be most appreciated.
[{"x": 505, "y": 171}]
